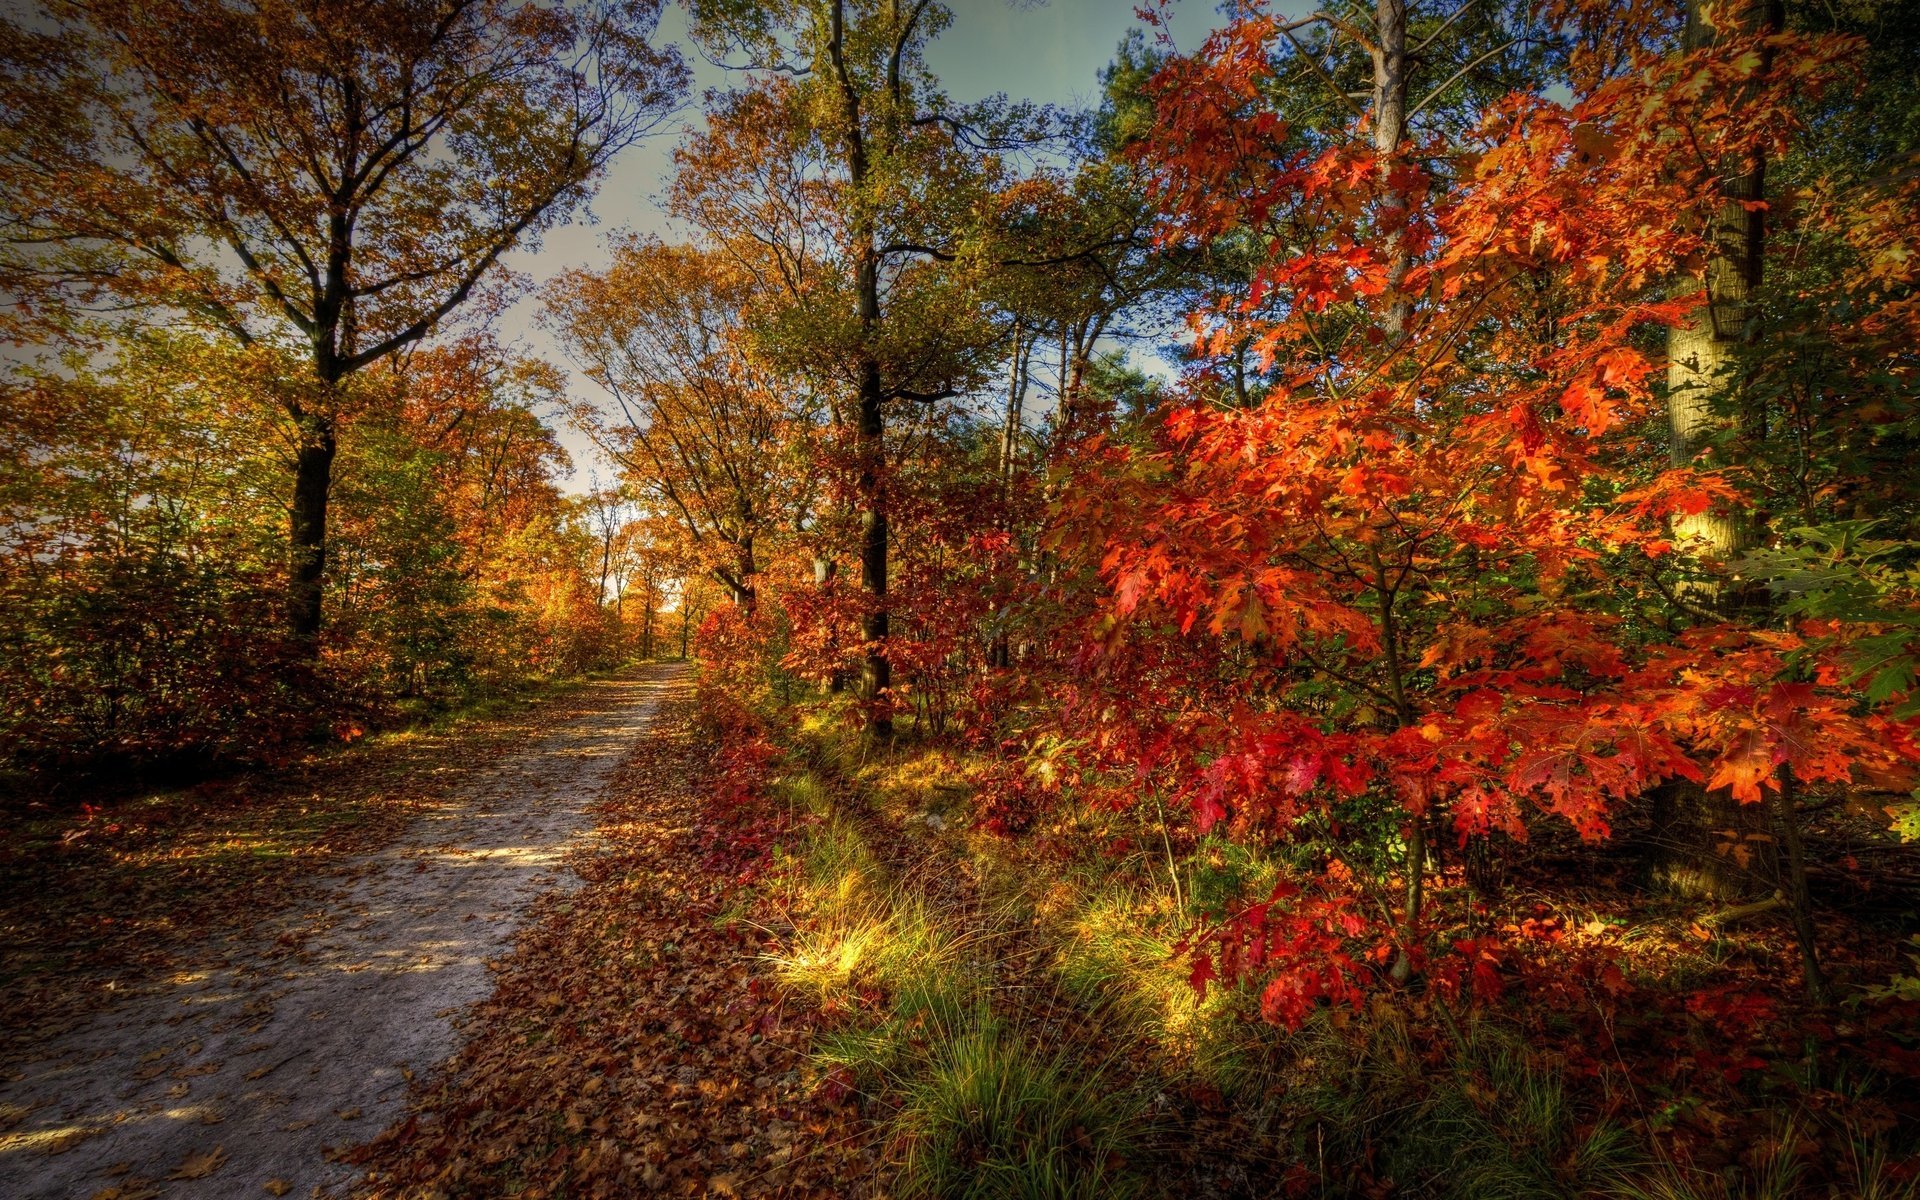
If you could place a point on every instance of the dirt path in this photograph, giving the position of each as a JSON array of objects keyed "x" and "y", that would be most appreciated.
[
  {"x": 638, "y": 1041},
  {"x": 236, "y": 1080}
]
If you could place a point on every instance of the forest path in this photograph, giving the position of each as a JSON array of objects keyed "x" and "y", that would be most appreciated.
[{"x": 238, "y": 1079}]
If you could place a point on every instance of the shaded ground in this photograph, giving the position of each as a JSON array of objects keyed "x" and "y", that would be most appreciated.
[{"x": 237, "y": 1075}]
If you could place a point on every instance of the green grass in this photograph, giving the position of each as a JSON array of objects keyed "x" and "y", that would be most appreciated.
[
  {"x": 993, "y": 1117},
  {"x": 1116, "y": 957},
  {"x": 1870, "y": 1172}
]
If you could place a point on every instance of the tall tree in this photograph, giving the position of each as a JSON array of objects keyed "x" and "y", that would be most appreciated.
[
  {"x": 338, "y": 174},
  {"x": 844, "y": 119}
]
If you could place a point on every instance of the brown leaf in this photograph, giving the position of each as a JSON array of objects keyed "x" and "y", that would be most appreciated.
[
  {"x": 277, "y": 1187},
  {"x": 199, "y": 1166}
]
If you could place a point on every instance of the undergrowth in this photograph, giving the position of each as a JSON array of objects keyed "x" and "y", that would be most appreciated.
[
  {"x": 942, "y": 1005},
  {"x": 970, "y": 1105}
]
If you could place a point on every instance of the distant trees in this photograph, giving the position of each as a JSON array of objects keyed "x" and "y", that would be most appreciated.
[
  {"x": 142, "y": 560},
  {"x": 702, "y": 429}
]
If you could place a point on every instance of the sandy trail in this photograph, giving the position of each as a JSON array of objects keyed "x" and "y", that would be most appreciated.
[{"x": 237, "y": 1079}]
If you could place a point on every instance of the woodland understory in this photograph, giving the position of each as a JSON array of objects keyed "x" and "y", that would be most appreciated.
[{"x": 1342, "y": 622}]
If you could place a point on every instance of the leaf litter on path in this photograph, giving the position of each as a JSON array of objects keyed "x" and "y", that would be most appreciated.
[{"x": 635, "y": 1044}]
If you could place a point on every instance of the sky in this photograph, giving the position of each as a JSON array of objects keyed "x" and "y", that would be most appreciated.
[{"x": 1050, "y": 52}]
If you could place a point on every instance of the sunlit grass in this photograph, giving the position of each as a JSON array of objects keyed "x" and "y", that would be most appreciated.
[
  {"x": 971, "y": 1108},
  {"x": 823, "y": 962},
  {"x": 801, "y": 792},
  {"x": 1116, "y": 955}
]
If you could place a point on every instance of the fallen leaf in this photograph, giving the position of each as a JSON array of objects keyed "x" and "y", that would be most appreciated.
[
  {"x": 199, "y": 1166},
  {"x": 277, "y": 1187}
]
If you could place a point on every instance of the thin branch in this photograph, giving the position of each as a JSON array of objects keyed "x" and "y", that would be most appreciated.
[
  {"x": 1436, "y": 93},
  {"x": 1325, "y": 76}
]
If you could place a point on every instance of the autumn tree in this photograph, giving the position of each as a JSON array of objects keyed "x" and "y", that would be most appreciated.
[
  {"x": 141, "y": 563},
  {"x": 611, "y": 514},
  {"x": 341, "y": 177},
  {"x": 701, "y": 426},
  {"x": 653, "y": 549},
  {"x": 138, "y": 563},
  {"x": 1413, "y": 531},
  {"x": 849, "y": 181}
]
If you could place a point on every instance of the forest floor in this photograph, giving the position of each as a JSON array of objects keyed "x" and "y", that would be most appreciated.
[
  {"x": 292, "y": 976},
  {"x": 625, "y": 944},
  {"x": 640, "y": 1040}
]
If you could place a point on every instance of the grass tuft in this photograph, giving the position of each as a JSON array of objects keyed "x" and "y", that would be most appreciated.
[
  {"x": 974, "y": 1110},
  {"x": 993, "y": 1117}
]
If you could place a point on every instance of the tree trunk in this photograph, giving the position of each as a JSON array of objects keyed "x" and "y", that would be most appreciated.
[
  {"x": 1786, "y": 821},
  {"x": 1389, "y": 127},
  {"x": 1011, "y": 424},
  {"x": 1705, "y": 406},
  {"x": 307, "y": 532},
  {"x": 742, "y": 586},
  {"x": 876, "y": 674},
  {"x": 1704, "y": 846},
  {"x": 606, "y": 565},
  {"x": 1388, "y": 124},
  {"x": 999, "y": 653},
  {"x": 824, "y": 569},
  {"x": 1701, "y": 353},
  {"x": 646, "y": 621}
]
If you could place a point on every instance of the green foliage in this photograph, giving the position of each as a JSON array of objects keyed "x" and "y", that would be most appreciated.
[
  {"x": 1904, "y": 988},
  {"x": 138, "y": 569},
  {"x": 1868, "y": 585}
]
